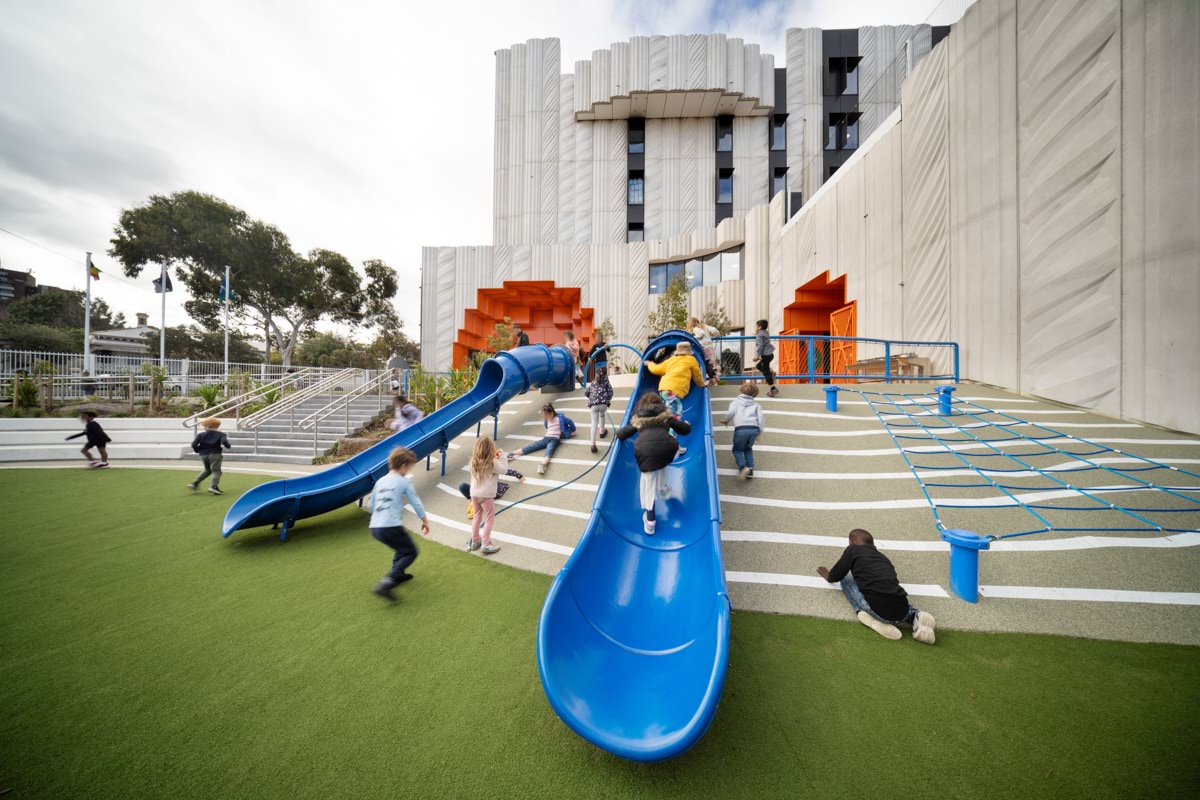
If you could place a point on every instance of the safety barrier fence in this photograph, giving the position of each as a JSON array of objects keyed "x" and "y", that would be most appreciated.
[{"x": 840, "y": 359}]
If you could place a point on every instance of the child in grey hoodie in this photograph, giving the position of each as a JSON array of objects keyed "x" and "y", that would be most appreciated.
[{"x": 746, "y": 417}]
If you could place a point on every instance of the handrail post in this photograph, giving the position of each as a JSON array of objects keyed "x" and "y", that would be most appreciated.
[
  {"x": 316, "y": 425},
  {"x": 955, "y": 349},
  {"x": 887, "y": 362},
  {"x": 812, "y": 361}
]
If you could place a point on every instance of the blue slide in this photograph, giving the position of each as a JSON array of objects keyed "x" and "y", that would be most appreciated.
[
  {"x": 634, "y": 636},
  {"x": 500, "y": 379}
]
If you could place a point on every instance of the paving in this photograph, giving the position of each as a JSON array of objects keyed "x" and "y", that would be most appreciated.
[{"x": 820, "y": 474}]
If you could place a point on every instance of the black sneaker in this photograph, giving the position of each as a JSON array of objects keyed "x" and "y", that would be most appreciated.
[
  {"x": 750, "y": 473},
  {"x": 404, "y": 578},
  {"x": 594, "y": 449},
  {"x": 604, "y": 434},
  {"x": 383, "y": 589},
  {"x": 214, "y": 490}
]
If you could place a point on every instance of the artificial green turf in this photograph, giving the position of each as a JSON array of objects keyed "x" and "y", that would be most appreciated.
[{"x": 141, "y": 655}]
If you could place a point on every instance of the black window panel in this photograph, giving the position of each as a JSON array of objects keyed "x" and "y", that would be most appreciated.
[
  {"x": 832, "y": 170},
  {"x": 851, "y": 140},
  {"x": 725, "y": 186},
  {"x": 636, "y": 232},
  {"x": 778, "y": 182},
  {"x": 779, "y": 133},
  {"x": 637, "y": 140},
  {"x": 637, "y": 187},
  {"x": 724, "y": 134},
  {"x": 851, "y": 86},
  {"x": 658, "y": 278}
]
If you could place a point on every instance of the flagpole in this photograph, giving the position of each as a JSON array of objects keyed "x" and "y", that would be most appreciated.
[
  {"x": 227, "y": 291},
  {"x": 87, "y": 315},
  {"x": 162, "y": 332}
]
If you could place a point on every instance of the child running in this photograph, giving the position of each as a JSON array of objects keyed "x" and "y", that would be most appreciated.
[
  {"x": 487, "y": 465},
  {"x": 407, "y": 414},
  {"x": 704, "y": 334},
  {"x": 654, "y": 450},
  {"x": 764, "y": 354},
  {"x": 549, "y": 442},
  {"x": 387, "y": 506},
  {"x": 599, "y": 394},
  {"x": 746, "y": 416},
  {"x": 96, "y": 437},
  {"x": 678, "y": 373},
  {"x": 208, "y": 445}
]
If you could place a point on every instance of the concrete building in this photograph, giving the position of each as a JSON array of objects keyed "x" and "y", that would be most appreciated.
[
  {"x": 128, "y": 342},
  {"x": 1024, "y": 185}
]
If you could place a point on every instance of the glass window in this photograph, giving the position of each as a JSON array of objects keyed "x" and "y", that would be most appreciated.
[
  {"x": 852, "y": 134},
  {"x": 658, "y": 278},
  {"x": 724, "y": 134},
  {"x": 674, "y": 270},
  {"x": 636, "y": 232},
  {"x": 695, "y": 273},
  {"x": 779, "y": 181},
  {"x": 851, "y": 78},
  {"x": 731, "y": 265},
  {"x": 779, "y": 133},
  {"x": 637, "y": 188},
  {"x": 637, "y": 141},
  {"x": 831, "y": 143},
  {"x": 832, "y": 170},
  {"x": 725, "y": 186},
  {"x": 712, "y": 270}
]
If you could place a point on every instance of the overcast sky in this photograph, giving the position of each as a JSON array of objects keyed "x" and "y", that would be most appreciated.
[{"x": 361, "y": 127}]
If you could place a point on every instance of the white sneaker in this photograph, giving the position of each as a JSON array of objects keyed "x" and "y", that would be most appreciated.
[
  {"x": 744, "y": 472},
  {"x": 923, "y": 628},
  {"x": 541, "y": 469},
  {"x": 647, "y": 525},
  {"x": 882, "y": 628},
  {"x": 681, "y": 452}
]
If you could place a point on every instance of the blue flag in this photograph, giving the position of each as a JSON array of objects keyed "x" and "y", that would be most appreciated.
[
  {"x": 158, "y": 283},
  {"x": 221, "y": 294}
]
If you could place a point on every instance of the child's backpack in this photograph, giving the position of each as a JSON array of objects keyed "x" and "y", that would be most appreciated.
[{"x": 567, "y": 425}]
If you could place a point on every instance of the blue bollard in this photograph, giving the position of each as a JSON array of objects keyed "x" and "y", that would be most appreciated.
[
  {"x": 944, "y": 400},
  {"x": 964, "y": 562},
  {"x": 831, "y": 398}
]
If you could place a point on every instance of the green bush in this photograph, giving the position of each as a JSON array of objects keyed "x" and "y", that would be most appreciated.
[
  {"x": 209, "y": 393},
  {"x": 27, "y": 394}
]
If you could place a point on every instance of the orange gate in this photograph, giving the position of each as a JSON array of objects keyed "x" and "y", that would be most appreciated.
[{"x": 843, "y": 355}]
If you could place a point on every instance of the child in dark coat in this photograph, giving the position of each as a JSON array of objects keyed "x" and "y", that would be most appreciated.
[
  {"x": 209, "y": 444},
  {"x": 96, "y": 437},
  {"x": 655, "y": 449}
]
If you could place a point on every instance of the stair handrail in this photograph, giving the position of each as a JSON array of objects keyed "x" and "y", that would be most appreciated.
[
  {"x": 240, "y": 400},
  {"x": 285, "y": 404},
  {"x": 345, "y": 400}
]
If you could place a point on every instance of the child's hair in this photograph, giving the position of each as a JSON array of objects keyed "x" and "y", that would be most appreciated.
[
  {"x": 549, "y": 409},
  {"x": 400, "y": 457},
  {"x": 569, "y": 336},
  {"x": 649, "y": 401},
  {"x": 683, "y": 349},
  {"x": 211, "y": 423},
  {"x": 401, "y": 399},
  {"x": 482, "y": 457},
  {"x": 601, "y": 373},
  {"x": 750, "y": 389},
  {"x": 860, "y": 536},
  {"x": 694, "y": 322},
  {"x": 89, "y": 414},
  {"x": 762, "y": 324}
]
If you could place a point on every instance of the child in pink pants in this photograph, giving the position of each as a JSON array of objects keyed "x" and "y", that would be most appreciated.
[{"x": 487, "y": 465}]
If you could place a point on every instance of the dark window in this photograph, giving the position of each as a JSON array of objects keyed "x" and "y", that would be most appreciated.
[
  {"x": 637, "y": 187},
  {"x": 725, "y": 186},
  {"x": 832, "y": 170},
  {"x": 831, "y": 141},
  {"x": 636, "y": 232},
  {"x": 658, "y": 278},
  {"x": 674, "y": 270},
  {"x": 724, "y": 134},
  {"x": 779, "y": 181},
  {"x": 637, "y": 138},
  {"x": 851, "y": 77},
  {"x": 851, "y": 133},
  {"x": 779, "y": 133},
  {"x": 843, "y": 76}
]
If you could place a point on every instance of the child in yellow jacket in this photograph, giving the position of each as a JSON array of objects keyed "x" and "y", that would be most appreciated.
[{"x": 679, "y": 373}]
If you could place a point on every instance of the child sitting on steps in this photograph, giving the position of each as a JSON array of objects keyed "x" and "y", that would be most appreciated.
[{"x": 654, "y": 450}]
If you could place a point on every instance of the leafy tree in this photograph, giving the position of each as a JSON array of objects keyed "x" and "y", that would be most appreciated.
[
  {"x": 393, "y": 341},
  {"x": 188, "y": 341},
  {"x": 715, "y": 316},
  {"x": 608, "y": 330},
  {"x": 331, "y": 350},
  {"x": 504, "y": 337},
  {"x": 274, "y": 287},
  {"x": 672, "y": 311},
  {"x": 62, "y": 309},
  {"x": 41, "y": 338}
]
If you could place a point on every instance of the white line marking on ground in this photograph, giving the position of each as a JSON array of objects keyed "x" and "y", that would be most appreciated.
[
  {"x": 532, "y": 481},
  {"x": 183, "y": 467},
  {"x": 1018, "y": 545},
  {"x": 510, "y": 538},
  {"x": 815, "y": 582},
  {"x": 1091, "y": 595},
  {"x": 992, "y": 501},
  {"x": 573, "y": 442},
  {"x": 940, "y": 448},
  {"x": 530, "y": 506},
  {"x": 540, "y": 454},
  {"x": 948, "y": 473}
]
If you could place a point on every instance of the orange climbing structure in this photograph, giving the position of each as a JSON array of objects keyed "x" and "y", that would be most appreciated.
[
  {"x": 819, "y": 309},
  {"x": 542, "y": 309}
]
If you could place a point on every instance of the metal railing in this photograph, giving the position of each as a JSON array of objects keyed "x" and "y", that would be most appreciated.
[
  {"x": 238, "y": 402},
  {"x": 841, "y": 359},
  {"x": 52, "y": 390},
  {"x": 288, "y": 403},
  {"x": 343, "y": 404}
]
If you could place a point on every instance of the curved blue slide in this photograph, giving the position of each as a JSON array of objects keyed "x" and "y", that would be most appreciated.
[
  {"x": 500, "y": 379},
  {"x": 633, "y": 639}
]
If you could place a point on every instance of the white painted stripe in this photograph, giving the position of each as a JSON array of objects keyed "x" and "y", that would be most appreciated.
[
  {"x": 814, "y": 582},
  {"x": 794, "y": 432},
  {"x": 540, "y": 454},
  {"x": 510, "y": 538},
  {"x": 1091, "y": 595},
  {"x": 1028, "y": 412},
  {"x": 1018, "y": 545},
  {"x": 942, "y": 448},
  {"x": 949, "y": 473},
  {"x": 991, "y": 501},
  {"x": 532, "y": 481},
  {"x": 577, "y": 441},
  {"x": 839, "y": 542},
  {"x": 182, "y": 467},
  {"x": 528, "y": 506}
]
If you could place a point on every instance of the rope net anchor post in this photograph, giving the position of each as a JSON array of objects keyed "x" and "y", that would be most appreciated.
[
  {"x": 944, "y": 400},
  {"x": 964, "y": 562},
  {"x": 831, "y": 397}
]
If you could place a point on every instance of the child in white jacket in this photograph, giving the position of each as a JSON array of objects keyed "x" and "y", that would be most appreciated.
[{"x": 746, "y": 417}]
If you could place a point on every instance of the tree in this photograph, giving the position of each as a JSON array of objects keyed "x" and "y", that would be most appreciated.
[
  {"x": 393, "y": 342},
  {"x": 188, "y": 341},
  {"x": 672, "y": 311},
  {"x": 607, "y": 330},
  {"x": 41, "y": 338},
  {"x": 715, "y": 316},
  {"x": 274, "y": 287},
  {"x": 62, "y": 309},
  {"x": 504, "y": 337},
  {"x": 331, "y": 350}
]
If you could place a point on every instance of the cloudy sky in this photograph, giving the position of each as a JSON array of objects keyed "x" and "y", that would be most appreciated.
[{"x": 361, "y": 127}]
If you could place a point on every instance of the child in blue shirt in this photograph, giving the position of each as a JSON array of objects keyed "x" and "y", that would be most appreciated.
[{"x": 387, "y": 505}]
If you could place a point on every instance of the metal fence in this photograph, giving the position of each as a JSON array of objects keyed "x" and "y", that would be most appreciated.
[{"x": 840, "y": 359}]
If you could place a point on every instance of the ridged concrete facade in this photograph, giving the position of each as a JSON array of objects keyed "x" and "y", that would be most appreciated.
[{"x": 1032, "y": 197}]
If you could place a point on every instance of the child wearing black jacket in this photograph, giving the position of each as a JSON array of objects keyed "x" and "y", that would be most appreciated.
[
  {"x": 655, "y": 449},
  {"x": 208, "y": 444},
  {"x": 96, "y": 437}
]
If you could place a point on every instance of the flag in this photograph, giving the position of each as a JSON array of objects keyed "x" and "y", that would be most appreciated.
[
  {"x": 221, "y": 294},
  {"x": 94, "y": 271},
  {"x": 158, "y": 283}
]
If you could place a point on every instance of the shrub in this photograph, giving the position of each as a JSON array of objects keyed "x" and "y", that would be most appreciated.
[
  {"x": 27, "y": 394},
  {"x": 209, "y": 393}
]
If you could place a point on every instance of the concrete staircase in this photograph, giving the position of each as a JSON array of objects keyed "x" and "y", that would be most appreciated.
[{"x": 279, "y": 442}]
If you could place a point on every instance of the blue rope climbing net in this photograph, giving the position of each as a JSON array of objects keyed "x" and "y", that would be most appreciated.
[{"x": 988, "y": 450}]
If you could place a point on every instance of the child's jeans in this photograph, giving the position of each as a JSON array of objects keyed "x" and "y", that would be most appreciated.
[
  {"x": 547, "y": 443},
  {"x": 212, "y": 466},
  {"x": 743, "y": 446},
  {"x": 400, "y": 540},
  {"x": 653, "y": 485},
  {"x": 859, "y": 603},
  {"x": 485, "y": 512},
  {"x": 598, "y": 412}
]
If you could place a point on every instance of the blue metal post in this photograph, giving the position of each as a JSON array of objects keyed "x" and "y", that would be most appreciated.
[
  {"x": 954, "y": 346},
  {"x": 944, "y": 400},
  {"x": 887, "y": 362},
  {"x": 964, "y": 562},
  {"x": 812, "y": 363},
  {"x": 831, "y": 395}
]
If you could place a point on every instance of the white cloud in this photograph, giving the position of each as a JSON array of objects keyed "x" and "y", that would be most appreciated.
[{"x": 361, "y": 127}]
